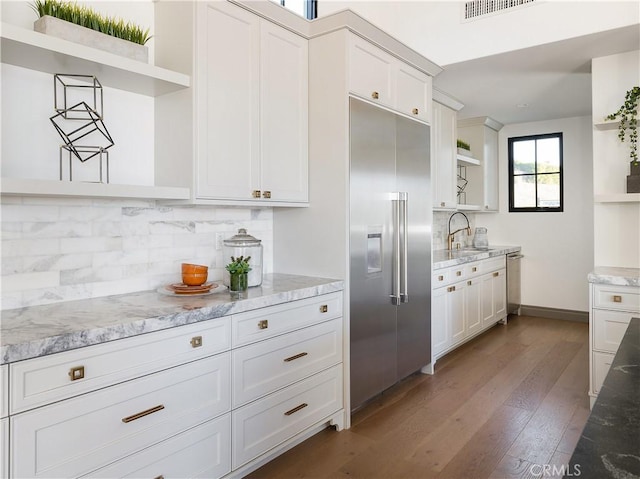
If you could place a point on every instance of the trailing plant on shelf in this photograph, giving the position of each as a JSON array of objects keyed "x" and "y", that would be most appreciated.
[
  {"x": 628, "y": 115},
  {"x": 88, "y": 18}
]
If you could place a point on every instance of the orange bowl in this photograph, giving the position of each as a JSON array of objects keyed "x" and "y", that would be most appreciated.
[
  {"x": 194, "y": 268},
  {"x": 194, "y": 279}
]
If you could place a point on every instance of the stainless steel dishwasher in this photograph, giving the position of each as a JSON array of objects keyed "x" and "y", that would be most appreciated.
[{"x": 513, "y": 283}]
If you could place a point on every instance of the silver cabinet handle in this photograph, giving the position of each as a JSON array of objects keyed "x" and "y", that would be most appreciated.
[
  {"x": 404, "y": 291},
  {"x": 395, "y": 288}
]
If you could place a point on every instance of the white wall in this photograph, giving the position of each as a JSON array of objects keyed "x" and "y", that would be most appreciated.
[
  {"x": 557, "y": 246},
  {"x": 436, "y": 28},
  {"x": 616, "y": 225}
]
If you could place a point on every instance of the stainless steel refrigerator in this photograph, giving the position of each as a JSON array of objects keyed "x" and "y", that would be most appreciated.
[{"x": 390, "y": 244}]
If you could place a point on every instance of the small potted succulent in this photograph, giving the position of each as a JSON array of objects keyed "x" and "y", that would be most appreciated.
[
  {"x": 238, "y": 269},
  {"x": 628, "y": 116},
  {"x": 463, "y": 148}
]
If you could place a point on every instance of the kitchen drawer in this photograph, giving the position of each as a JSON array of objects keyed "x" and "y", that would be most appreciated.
[
  {"x": 621, "y": 298},
  {"x": 493, "y": 264},
  {"x": 265, "y": 323},
  {"x": 440, "y": 278},
  {"x": 474, "y": 269},
  {"x": 79, "y": 435},
  {"x": 4, "y": 390},
  {"x": 263, "y": 367},
  {"x": 267, "y": 422},
  {"x": 47, "y": 379},
  {"x": 601, "y": 362},
  {"x": 204, "y": 451},
  {"x": 609, "y": 328}
]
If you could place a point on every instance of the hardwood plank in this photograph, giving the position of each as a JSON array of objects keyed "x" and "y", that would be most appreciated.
[{"x": 514, "y": 468}]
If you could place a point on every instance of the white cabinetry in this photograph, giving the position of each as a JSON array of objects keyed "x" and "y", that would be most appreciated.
[
  {"x": 482, "y": 135},
  {"x": 4, "y": 421},
  {"x": 612, "y": 307},
  {"x": 188, "y": 401},
  {"x": 381, "y": 78},
  {"x": 443, "y": 156},
  {"x": 466, "y": 300},
  {"x": 249, "y": 107}
]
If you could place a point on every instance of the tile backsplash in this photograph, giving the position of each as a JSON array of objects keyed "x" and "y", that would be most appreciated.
[
  {"x": 441, "y": 228},
  {"x": 66, "y": 249}
]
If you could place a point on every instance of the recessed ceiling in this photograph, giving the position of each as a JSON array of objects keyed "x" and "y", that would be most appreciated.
[{"x": 553, "y": 80}]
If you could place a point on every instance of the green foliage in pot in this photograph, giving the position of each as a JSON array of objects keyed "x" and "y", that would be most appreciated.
[
  {"x": 463, "y": 145},
  {"x": 239, "y": 265},
  {"x": 88, "y": 18},
  {"x": 628, "y": 115}
]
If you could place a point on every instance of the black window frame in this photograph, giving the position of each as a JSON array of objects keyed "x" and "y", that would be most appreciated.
[
  {"x": 536, "y": 209},
  {"x": 310, "y": 8}
]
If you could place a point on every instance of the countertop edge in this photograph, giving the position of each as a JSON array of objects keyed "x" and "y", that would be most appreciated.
[
  {"x": 615, "y": 276},
  {"x": 462, "y": 256}
]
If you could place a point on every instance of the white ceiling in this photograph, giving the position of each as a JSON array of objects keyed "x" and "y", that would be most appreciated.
[{"x": 554, "y": 79}]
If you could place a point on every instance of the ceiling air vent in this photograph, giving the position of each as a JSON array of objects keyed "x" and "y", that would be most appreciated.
[{"x": 478, "y": 8}]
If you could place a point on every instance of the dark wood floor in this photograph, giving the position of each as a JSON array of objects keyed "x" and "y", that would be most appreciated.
[{"x": 513, "y": 398}]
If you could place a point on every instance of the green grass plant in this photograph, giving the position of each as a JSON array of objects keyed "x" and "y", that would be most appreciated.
[{"x": 87, "y": 17}]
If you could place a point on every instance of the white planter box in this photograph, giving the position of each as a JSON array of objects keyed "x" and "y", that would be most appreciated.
[{"x": 91, "y": 38}]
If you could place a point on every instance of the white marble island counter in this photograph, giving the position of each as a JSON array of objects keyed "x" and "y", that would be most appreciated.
[
  {"x": 615, "y": 276},
  {"x": 444, "y": 258},
  {"x": 40, "y": 330}
]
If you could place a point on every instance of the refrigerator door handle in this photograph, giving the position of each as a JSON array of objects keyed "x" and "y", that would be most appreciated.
[
  {"x": 395, "y": 280},
  {"x": 404, "y": 206}
]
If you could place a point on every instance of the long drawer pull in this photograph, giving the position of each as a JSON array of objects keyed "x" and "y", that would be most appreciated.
[
  {"x": 157, "y": 408},
  {"x": 296, "y": 409},
  {"x": 297, "y": 356}
]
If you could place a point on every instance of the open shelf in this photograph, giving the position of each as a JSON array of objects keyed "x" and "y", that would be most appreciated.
[
  {"x": 467, "y": 160},
  {"x": 36, "y": 51},
  {"x": 52, "y": 188},
  {"x": 618, "y": 198},
  {"x": 463, "y": 207},
  {"x": 606, "y": 124}
]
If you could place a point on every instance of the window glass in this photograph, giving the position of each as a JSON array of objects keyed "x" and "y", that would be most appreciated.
[{"x": 535, "y": 173}]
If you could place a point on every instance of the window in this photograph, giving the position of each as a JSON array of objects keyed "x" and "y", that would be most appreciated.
[
  {"x": 535, "y": 173},
  {"x": 305, "y": 8}
]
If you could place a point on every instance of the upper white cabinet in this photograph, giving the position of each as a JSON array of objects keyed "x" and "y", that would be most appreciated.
[
  {"x": 383, "y": 79},
  {"x": 443, "y": 154},
  {"x": 249, "y": 107},
  {"x": 482, "y": 135}
]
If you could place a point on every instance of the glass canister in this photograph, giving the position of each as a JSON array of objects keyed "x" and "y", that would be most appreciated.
[{"x": 244, "y": 244}]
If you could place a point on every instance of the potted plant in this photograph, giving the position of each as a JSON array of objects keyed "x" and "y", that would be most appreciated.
[
  {"x": 81, "y": 24},
  {"x": 628, "y": 116},
  {"x": 238, "y": 269},
  {"x": 463, "y": 148}
]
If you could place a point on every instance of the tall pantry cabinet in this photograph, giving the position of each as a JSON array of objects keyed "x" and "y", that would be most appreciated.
[{"x": 246, "y": 142}]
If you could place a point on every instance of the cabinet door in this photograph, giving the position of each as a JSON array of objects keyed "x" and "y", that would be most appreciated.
[
  {"x": 4, "y": 448},
  {"x": 473, "y": 306},
  {"x": 283, "y": 114},
  {"x": 486, "y": 300},
  {"x": 371, "y": 72},
  {"x": 457, "y": 298},
  {"x": 490, "y": 169},
  {"x": 444, "y": 157},
  {"x": 413, "y": 92},
  {"x": 440, "y": 325},
  {"x": 500, "y": 294},
  {"x": 227, "y": 102}
]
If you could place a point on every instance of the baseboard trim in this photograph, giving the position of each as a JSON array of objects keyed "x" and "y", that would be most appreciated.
[{"x": 554, "y": 313}]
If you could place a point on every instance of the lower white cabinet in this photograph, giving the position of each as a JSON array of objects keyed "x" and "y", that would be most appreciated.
[
  {"x": 189, "y": 401},
  {"x": 466, "y": 300},
  {"x": 611, "y": 309}
]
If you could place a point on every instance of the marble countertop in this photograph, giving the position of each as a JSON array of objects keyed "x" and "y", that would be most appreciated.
[
  {"x": 608, "y": 446},
  {"x": 40, "y": 330},
  {"x": 444, "y": 258},
  {"x": 615, "y": 276}
]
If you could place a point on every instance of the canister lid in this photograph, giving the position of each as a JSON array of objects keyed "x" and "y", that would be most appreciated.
[{"x": 242, "y": 239}]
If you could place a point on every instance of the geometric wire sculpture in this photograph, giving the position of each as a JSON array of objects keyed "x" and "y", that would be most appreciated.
[
  {"x": 71, "y": 89},
  {"x": 80, "y": 125}
]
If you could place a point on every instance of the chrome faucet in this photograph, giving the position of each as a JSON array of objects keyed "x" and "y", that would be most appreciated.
[{"x": 451, "y": 235}]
